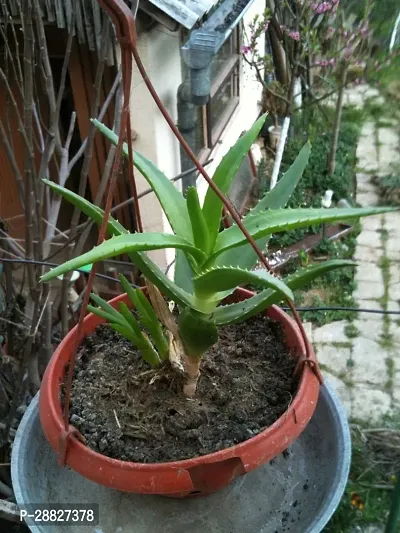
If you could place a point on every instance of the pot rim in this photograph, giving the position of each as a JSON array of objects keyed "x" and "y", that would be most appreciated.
[{"x": 53, "y": 405}]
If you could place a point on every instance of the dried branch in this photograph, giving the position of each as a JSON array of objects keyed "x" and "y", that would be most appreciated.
[
  {"x": 28, "y": 128},
  {"x": 100, "y": 117},
  {"x": 88, "y": 152},
  {"x": 13, "y": 164}
]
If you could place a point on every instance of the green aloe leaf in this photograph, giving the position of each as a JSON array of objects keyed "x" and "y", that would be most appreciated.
[
  {"x": 278, "y": 197},
  {"x": 237, "y": 312},
  {"x": 147, "y": 317},
  {"x": 143, "y": 344},
  {"x": 200, "y": 231},
  {"x": 149, "y": 269},
  {"x": 224, "y": 278},
  {"x": 244, "y": 256},
  {"x": 131, "y": 320},
  {"x": 103, "y": 314},
  {"x": 183, "y": 275},
  {"x": 198, "y": 332},
  {"x": 124, "y": 244},
  {"x": 112, "y": 314},
  {"x": 268, "y": 222},
  {"x": 171, "y": 200},
  {"x": 224, "y": 175}
]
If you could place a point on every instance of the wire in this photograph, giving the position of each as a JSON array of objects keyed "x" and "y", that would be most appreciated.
[
  {"x": 45, "y": 263},
  {"x": 301, "y": 309},
  {"x": 350, "y": 309}
]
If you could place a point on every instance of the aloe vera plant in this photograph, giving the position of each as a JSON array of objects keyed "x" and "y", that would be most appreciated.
[
  {"x": 210, "y": 264},
  {"x": 153, "y": 347}
]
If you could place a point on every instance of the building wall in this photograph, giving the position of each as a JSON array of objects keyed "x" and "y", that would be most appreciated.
[
  {"x": 160, "y": 52},
  {"x": 248, "y": 109}
]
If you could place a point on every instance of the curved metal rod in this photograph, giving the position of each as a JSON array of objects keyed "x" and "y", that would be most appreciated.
[{"x": 125, "y": 28}]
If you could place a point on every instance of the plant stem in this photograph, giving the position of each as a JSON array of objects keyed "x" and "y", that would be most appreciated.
[
  {"x": 192, "y": 374},
  {"x": 338, "y": 116},
  {"x": 391, "y": 526}
]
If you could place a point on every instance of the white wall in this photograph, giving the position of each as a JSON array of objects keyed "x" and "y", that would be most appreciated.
[
  {"x": 248, "y": 109},
  {"x": 160, "y": 53}
]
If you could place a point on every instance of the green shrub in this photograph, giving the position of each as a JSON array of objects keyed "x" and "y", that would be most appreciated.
[{"x": 316, "y": 179}]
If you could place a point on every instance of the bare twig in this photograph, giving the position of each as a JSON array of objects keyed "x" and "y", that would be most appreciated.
[
  {"x": 100, "y": 117},
  {"x": 29, "y": 156}
]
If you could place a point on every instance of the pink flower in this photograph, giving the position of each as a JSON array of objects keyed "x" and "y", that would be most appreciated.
[
  {"x": 295, "y": 35},
  {"x": 324, "y": 63},
  {"x": 322, "y": 7},
  {"x": 332, "y": 61},
  {"x": 246, "y": 49}
]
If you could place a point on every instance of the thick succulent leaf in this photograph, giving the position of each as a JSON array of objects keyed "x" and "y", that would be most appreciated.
[
  {"x": 200, "y": 231},
  {"x": 223, "y": 177},
  {"x": 237, "y": 312},
  {"x": 277, "y": 198},
  {"x": 103, "y": 314},
  {"x": 183, "y": 275},
  {"x": 225, "y": 278},
  {"x": 171, "y": 200},
  {"x": 268, "y": 222},
  {"x": 198, "y": 332},
  {"x": 128, "y": 315},
  {"x": 143, "y": 344},
  {"x": 149, "y": 269},
  {"x": 112, "y": 314},
  {"x": 124, "y": 244},
  {"x": 147, "y": 317}
]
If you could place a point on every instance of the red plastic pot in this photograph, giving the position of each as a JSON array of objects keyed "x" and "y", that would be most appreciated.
[{"x": 197, "y": 476}]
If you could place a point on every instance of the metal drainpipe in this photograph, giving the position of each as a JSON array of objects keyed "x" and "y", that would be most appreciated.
[
  {"x": 187, "y": 114},
  {"x": 198, "y": 53}
]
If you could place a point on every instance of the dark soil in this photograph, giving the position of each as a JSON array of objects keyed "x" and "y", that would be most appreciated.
[{"x": 127, "y": 411}]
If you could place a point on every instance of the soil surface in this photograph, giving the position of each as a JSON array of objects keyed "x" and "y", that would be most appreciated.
[{"x": 130, "y": 412}]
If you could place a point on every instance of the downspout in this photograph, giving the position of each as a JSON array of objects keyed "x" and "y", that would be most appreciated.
[
  {"x": 198, "y": 52},
  {"x": 187, "y": 114}
]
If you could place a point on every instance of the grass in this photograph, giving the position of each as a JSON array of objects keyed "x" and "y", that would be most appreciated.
[
  {"x": 375, "y": 464},
  {"x": 324, "y": 292},
  {"x": 351, "y": 331}
]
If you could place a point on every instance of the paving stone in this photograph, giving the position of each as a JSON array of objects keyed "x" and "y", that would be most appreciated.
[
  {"x": 365, "y": 188},
  {"x": 388, "y": 137},
  {"x": 396, "y": 389},
  {"x": 372, "y": 223},
  {"x": 388, "y": 157},
  {"x": 335, "y": 358},
  {"x": 395, "y": 333},
  {"x": 370, "y": 328},
  {"x": 393, "y": 306},
  {"x": 394, "y": 291},
  {"x": 369, "y": 290},
  {"x": 394, "y": 273},
  {"x": 369, "y": 362},
  {"x": 368, "y": 272},
  {"x": 370, "y": 405},
  {"x": 369, "y": 304},
  {"x": 393, "y": 247},
  {"x": 329, "y": 333},
  {"x": 370, "y": 238},
  {"x": 363, "y": 178},
  {"x": 368, "y": 254},
  {"x": 367, "y": 199},
  {"x": 368, "y": 130},
  {"x": 341, "y": 390},
  {"x": 392, "y": 221}
]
